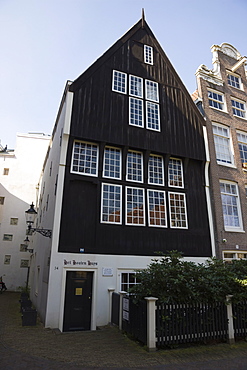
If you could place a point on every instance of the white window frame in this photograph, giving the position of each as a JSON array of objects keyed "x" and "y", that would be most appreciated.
[
  {"x": 225, "y": 140},
  {"x": 152, "y": 117},
  {"x": 128, "y": 177},
  {"x": 148, "y": 54},
  {"x": 115, "y": 75},
  {"x": 226, "y": 206},
  {"x": 114, "y": 200},
  {"x": 152, "y": 91},
  {"x": 172, "y": 172},
  {"x": 185, "y": 220},
  {"x": 217, "y": 101},
  {"x": 236, "y": 255},
  {"x": 120, "y": 281},
  {"x": 138, "y": 81},
  {"x": 158, "y": 211},
  {"x": 112, "y": 163},
  {"x": 78, "y": 159},
  {"x": 126, "y": 207},
  {"x": 155, "y": 170},
  {"x": 232, "y": 82},
  {"x": 236, "y": 108},
  {"x": 242, "y": 140},
  {"x": 136, "y": 119}
]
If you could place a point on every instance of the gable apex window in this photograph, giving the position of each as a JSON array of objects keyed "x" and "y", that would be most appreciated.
[
  {"x": 223, "y": 148},
  {"x": 148, "y": 54},
  {"x": 85, "y": 158},
  {"x": 234, "y": 80},
  {"x": 238, "y": 108},
  {"x": 216, "y": 100},
  {"x": 119, "y": 82}
]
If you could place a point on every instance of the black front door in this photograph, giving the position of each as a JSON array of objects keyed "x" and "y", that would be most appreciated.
[{"x": 78, "y": 300}]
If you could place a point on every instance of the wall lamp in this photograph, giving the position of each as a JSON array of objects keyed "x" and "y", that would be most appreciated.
[
  {"x": 30, "y": 217},
  {"x": 27, "y": 241}
]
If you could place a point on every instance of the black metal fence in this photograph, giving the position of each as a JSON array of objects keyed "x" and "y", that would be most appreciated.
[
  {"x": 188, "y": 323},
  {"x": 135, "y": 319},
  {"x": 239, "y": 312}
]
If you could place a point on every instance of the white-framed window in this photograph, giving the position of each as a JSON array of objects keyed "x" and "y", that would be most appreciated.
[
  {"x": 148, "y": 54},
  {"x": 112, "y": 163},
  {"x": 177, "y": 209},
  {"x": 111, "y": 204},
  {"x": 136, "y": 112},
  {"x": 238, "y": 108},
  {"x": 85, "y": 158},
  {"x": 152, "y": 92},
  {"x": 127, "y": 280},
  {"x": 2, "y": 201},
  {"x": 222, "y": 142},
  {"x": 136, "y": 86},
  {"x": 155, "y": 170},
  {"x": 152, "y": 116},
  {"x": 157, "y": 208},
  {"x": 234, "y": 80},
  {"x": 119, "y": 82},
  {"x": 230, "y": 206},
  {"x": 7, "y": 237},
  {"x": 14, "y": 221},
  {"x": 134, "y": 166},
  {"x": 242, "y": 144},
  {"x": 228, "y": 256},
  {"x": 7, "y": 259},
  {"x": 216, "y": 100},
  {"x": 135, "y": 206},
  {"x": 175, "y": 173}
]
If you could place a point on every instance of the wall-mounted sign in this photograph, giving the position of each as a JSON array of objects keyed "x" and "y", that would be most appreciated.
[
  {"x": 79, "y": 263},
  {"x": 107, "y": 271}
]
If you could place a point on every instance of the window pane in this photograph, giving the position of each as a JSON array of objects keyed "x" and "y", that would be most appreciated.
[
  {"x": 136, "y": 112},
  {"x": 135, "y": 206},
  {"x": 152, "y": 91},
  {"x": 215, "y": 100},
  {"x": 155, "y": 170},
  {"x": 148, "y": 54},
  {"x": 175, "y": 173},
  {"x": 85, "y": 158},
  {"x": 136, "y": 86},
  {"x": 233, "y": 81},
  {"x": 134, "y": 166},
  {"x": 222, "y": 144},
  {"x": 153, "y": 117},
  {"x": 238, "y": 108},
  {"x": 112, "y": 163},
  {"x": 119, "y": 82},
  {"x": 230, "y": 205},
  {"x": 156, "y": 208},
  {"x": 177, "y": 207},
  {"x": 111, "y": 204}
]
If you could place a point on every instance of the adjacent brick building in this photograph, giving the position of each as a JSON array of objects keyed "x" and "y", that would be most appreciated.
[{"x": 221, "y": 98}]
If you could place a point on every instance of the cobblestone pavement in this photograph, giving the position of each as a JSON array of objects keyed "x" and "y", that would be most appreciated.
[{"x": 38, "y": 348}]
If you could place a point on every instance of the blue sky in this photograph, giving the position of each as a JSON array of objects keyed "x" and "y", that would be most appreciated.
[{"x": 44, "y": 43}]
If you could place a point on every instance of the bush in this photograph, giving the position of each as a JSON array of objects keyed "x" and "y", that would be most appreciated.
[{"x": 172, "y": 279}]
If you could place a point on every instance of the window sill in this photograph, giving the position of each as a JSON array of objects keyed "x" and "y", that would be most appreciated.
[
  {"x": 232, "y": 230},
  {"x": 226, "y": 164}
]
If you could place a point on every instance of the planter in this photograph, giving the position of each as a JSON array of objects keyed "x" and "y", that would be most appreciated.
[{"x": 29, "y": 316}]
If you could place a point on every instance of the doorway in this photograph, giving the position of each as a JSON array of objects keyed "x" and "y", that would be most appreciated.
[{"x": 78, "y": 300}]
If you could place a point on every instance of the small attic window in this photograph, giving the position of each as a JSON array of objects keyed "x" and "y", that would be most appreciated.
[{"x": 148, "y": 54}]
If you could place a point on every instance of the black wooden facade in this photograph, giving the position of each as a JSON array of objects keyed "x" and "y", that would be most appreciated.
[{"x": 101, "y": 116}]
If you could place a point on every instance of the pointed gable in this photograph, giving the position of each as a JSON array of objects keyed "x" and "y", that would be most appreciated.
[{"x": 103, "y": 112}]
